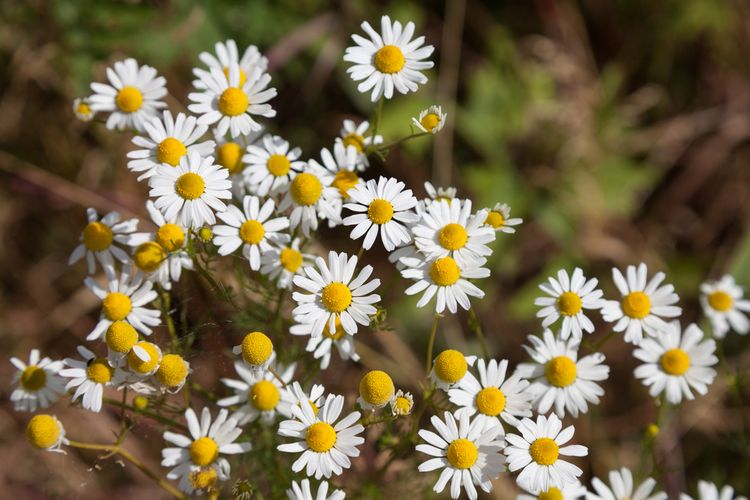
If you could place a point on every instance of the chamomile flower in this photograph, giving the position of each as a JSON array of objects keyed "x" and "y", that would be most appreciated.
[
  {"x": 559, "y": 378},
  {"x": 644, "y": 305},
  {"x": 258, "y": 394},
  {"x": 82, "y": 109},
  {"x": 326, "y": 445},
  {"x": 302, "y": 491},
  {"x": 133, "y": 95},
  {"x": 537, "y": 452},
  {"x": 334, "y": 293},
  {"x": 172, "y": 373},
  {"x": 202, "y": 451},
  {"x": 355, "y": 135},
  {"x": 232, "y": 103},
  {"x": 256, "y": 350},
  {"x": 295, "y": 395},
  {"x": 436, "y": 194},
  {"x": 144, "y": 360},
  {"x": 271, "y": 165},
  {"x": 469, "y": 453},
  {"x": 321, "y": 344},
  {"x": 388, "y": 60},
  {"x": 310, "y": 196},
  {"x": 89, "y": 376},
  {"x": 39, "y": 382},
  {"x": 676, "y": 362},
  {"x": 45, "y": 432},
  {"x": 402, "y": 403},
  {"x": 252, "y": 227},
  {"x": 383, "y": 207},
  {"x": 191, "y": 192},
  {"x": 724, "y": 305},
  {"x": 621, "y": 488},
  {"x": 449, "y": 368},
  {"x": 376, "y": 390},
  {"x": 568, "y": 297},
  {"x": 492, "y": 397},
  {"x": 284, "y": 262},
  {"x": 165, "y": 141},
  {"x": 430, "y": 120},
  {"x": 571, "y": 491},
  {"x": 342, "y": 164},
  {"x": 101, "y": 240},
  {"x": 227, "y": 54},
  {"x": 709, "y": 491},
  {"x": 498, "y": 218}
]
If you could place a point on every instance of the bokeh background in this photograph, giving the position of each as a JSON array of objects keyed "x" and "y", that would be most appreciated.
[{"x": 618, "y": 130}]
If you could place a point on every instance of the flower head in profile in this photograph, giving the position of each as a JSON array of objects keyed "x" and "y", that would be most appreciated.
[
  {"x": 449, "y": 368},
  {"x": 430, "y": 120},
  {"x": 621, "y": 488},
  {"x": 499, "y": 219},
  {"x": 39, "y": 382},
  {"x": 355, "y": 135},
  {"x": 402, "y": 403},
  {"x": 342, "y": 164},
  {"x": 439, "y": 193},
  {"x": 322, "y": 344},
  {"x": 376, "y": 390},
  {"x": 568, "y": 297},
  {"x": 724, "y": 305},
  {"x": 89, "y": 375},
  {"x": 46, "y": 432}
]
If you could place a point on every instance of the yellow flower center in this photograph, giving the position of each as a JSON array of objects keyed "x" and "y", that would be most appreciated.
[
  {"x": 204, "y": 451},
  {"x": 444, "y": 271},
  {"x": 204, "y": 478},
  {"x": 43, "y": 431},
  {"x": 264, "y": 395},
  {"x": 129, "y": 99},
  {"x": 290, "y": 259},
  {"x": 675, "y": 362},
  {"x": 172, "y": 371},
  {"x": 376, "y": 387},
  {"x": 256, "y": 348},
  {"x": 252, "y": 232},
  {"x": 462, "y": 453},
  {"x": 544, "y": 451},
  {"x": 140, "y": 402},
  {"x": 170, "y": 150},
  {"x": 402, "y": 406},
  {"x": 495, "y": 219},
  {"x": 99, "y": 371},
  {"x": 33, "y": 378},
  {"x": 97, "y": 236},
  {"x": 243, "y": 76},
  {"x": 190, "y": 186},
  {"x": 121, "y": 337},
  {"x": 491, "y": 401},
  {"x": 233, "y": 102},
  {"x": 137, "y": 364},
  {"x": 336, "y": 297},
  {"x": 116, "y": 306},
  {"x": 721, "y": 301},
  {"x": 206, "y": 234},
  {"x": 569, "y": 303},
  {"x": 430, "y": 121},
  {"x": 320, "y": 437},
  {"x": 453, "y": 236},
  {"x": 306, "y": 189},
  {"x": 278, "y": 165},
  {"x": 344, "y": 180},
  {"x": 312, "y": 405},
  {"x": 83, "y": 109},
  {"x": 450, "y": 366},
  {"x": 551, "y": 494},
  {"x": 229, "y": 156},
  {"x": 149, "y": 256},
  {"x": 560, "y": 371},
  {"x": 652, "y": 430},
  {"x": 380, "y": 211},
  {"x": 389, "y": 59},
  {"x": 356, "y": 140},
  {"x": 637, "y": 305},
  {"x": 171, "y": 237},
  {"x": 338, "y": 334}
]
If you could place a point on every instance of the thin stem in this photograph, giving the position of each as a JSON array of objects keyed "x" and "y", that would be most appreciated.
[
  {"x": 402, "y": 140},
  {"x": 476, "y": 327},
  {"x": 378, "y": 115},
  {"x": 165, "y": 302},
  {"x": 361, "y": 251},
  {"x": 597, "y": 346},
  {"x": 276, "y": 374},
  {"x": 431, "y": 344},
  {"x": 146, "y": 413}
]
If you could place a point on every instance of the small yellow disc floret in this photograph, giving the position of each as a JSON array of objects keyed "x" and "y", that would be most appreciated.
[
  {"x": 355, "y": 140},
  {"x": 190, "y": 186},
  {"x": 450, "y": 366},
  {"x": 453, "y": 236},
  {"x": 129, "y": 99},
  {"x": 430, "y": 121},
  {"x": 99, "y": 371},
  {"x": 344, "y": 180},
  {"x": 116, "y": 306},
  {"x": 306, "y": 189},
  {"x": 43, "y": 431},
  {"x": 137, "y": 364},
  {"x": 569, "y": 303},
  {"x": 204, "y": 478},
  {"x": 376, "y": 388},
  {"x": 290, "y": 259},
  {"x": 278, "y": 165},
  {"x": 33, "y": 378},
  {"x": 495, "y": 220},
  {"x": 721, "y": 301},
  {"x": 149, "y": 256},
  {"x": 171, "y": 237},
  {"x": 256, "y": 348},
  {"x": 551, "y": 494},
  {"x": 229, "y": 156},
  {"x": 252, "y": 232},
  {"x": 636, "y": 305},
  {"x": 490, "y": 401}
]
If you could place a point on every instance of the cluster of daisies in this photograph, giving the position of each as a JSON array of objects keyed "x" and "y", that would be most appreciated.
[{"x": 219, "y": 181}]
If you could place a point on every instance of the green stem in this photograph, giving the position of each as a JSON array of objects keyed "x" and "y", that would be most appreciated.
[
  {"x": 378, "y": 115},
  {"x": 166, "y": 300},
  {"x": 597, "y": 346},
  {"x": 146, "y": 413},
  {"x": 431, "y": 344},
  {"x": 276, "y": 374},
  {"x": 476, "y": 327},
  {"x": 387, "y": 147},
  {"x": 359, "y": 254}
]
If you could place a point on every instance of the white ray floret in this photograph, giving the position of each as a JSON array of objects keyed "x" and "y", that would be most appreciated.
[
  {"x": 709, "y": 491},
  {"x": 321, "y": 344},
  {"x": 89, "y": 376},
  {"x": 621, "y": 487},
  {"x": 302, "y": 491},
  {"x": 225, "y": 55}
]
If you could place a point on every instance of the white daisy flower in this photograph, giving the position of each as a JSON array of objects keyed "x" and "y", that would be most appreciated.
[
  {"x": 195, "y": 456},
  {"x": 46, "y": 432},
  {"x": 39, "y": 382},
  {"x": 90, "y": 376},
  {"x": 468, "y": 452},
  {"x": 271, "y": 167},
  {"x": 622, "y": 488},
  {"x": 644, "y": 305},
  {"x": 334, "y": 294},
  {"x": 571, "y": 491},
  {"x": 82, "y": 109},
  {"x": 709, "y": 491},
  {"x": 498, "y": 218},
  {"x": 165, "y": 141},
  {"x": 310, "y": 196},
  {"x": 382, "y": 207},
  {"x": 724, "y": 305},
  {"x": 436, "y": 194},
  {"x": 356, "y": 135},
  {"x": 284, "y": 263},
  {"x": 492, "y": 397},
  {"x": 430, "y": 120},
  {"x": 376, "y": 390},
  {"x": 226, "y": 55},
  {"x": 295, "y": 395},
  {"x": 133, "y": 95},
  {"x": 559, "y": 378},
  {"x": 321, "y": 343},
  {"x": 675, "y": 362},
  {"x": 537, "y": 451},
  {"x": 568, "y": 297},
  {"x": 302, "y": 491},
  {"x": 325, "y": 445},
  {"x": 256, "y": 350},
  {"x": 449, "y": 368},
  {"x": 231, "y": 103},
  {"x": 402, "y": 403},
  {"x": 192, "y": 191},
  {"x": 342, "y": 164},
  {"x": 258, "y": 393},
  {"x": 388, "y": 60},
  {"x": 252, "y": 228},
  {"x": 100, "y": 239}
]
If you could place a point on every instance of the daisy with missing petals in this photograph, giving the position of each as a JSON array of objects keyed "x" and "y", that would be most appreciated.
[
  {"x": 271, "y": 165},
  {"x": 296, "y": 396},
  {"x": 537, "y": 451},
  {"x": 436, "y": 194},
  {"x": 644, "y": 305},
  {"x": 342, "y": 164},
  {"x": 388, "y": 60},
  {"x": 498, "y": 218},
  {"x": 333, "y": 294},
  {"x": 167, "y": 140},
  {"x": 376, "y": 390},
  {"x": 284, "y": 263},
  {"x": 226, "y": 55},
  {"x": 382, "y": 207},
  {"x": 198, "y": 457},
  {"x": 430, "y": 120},
  {"x": 568, "y": 297},
  {"x": 252, "y": 228},
  {"x": 82, "y": 109},
  {"x": 132, "y": 96},
  {"x": 321, "y": 344},
  {"x": 709, "y": 491},
  {"x": 675, "y": 362},
  {"x": 256, "y": 350},
  {"x": 259, "y": 393},
  {"x": 45, "y": 432},
  {"x": 469, "y": 454},
  {"x": 302, "y": 491},
  {"x": 325, "y": 445},
  {"x": 89, "y": 376},
  {"x": 571, "y": 491},
  {"x": 492, "y": 397},
  {"x": 559, "y": 378},
  {"x": 724, "y": 305},
  {"x": 449, "y": 368},
  {"x": 310, "y": 196},
  {"x": 231, "y": 102},
  {"x": 192, "y": 191},
  {"x": 39, "y": 382},
  {"x": 621, "y": 488},
  {"x": 356, "y": 135}
]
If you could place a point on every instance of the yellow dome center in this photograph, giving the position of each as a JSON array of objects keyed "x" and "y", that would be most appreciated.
[
  {"x": 544, "y": 451},
  {"x": 204, "y": 451},
  {"x": 137, "y": 364},
  {"x": 551, "y": 494},
  {"x": 206, "y": 234},
  {"x": 116, "y": 306},
  {"x": 495, "y": 219},
  {"x": 149, "y": 256},
  {"x": 33, "y": 378},
  {"x": 97, "y": 236},
  {"x": 252, "y": 232},
  {"x": 99, "y": 371},
  {"x": 380, "y": 211},
  {"x": 190, "y": 186},
  {"x": 452, "y": 236},
  {"x": 450, "y": 366},
  {"x": 306, "y": 189},
  {"x": 278, "y": 165},
  {"x": 171, "y": 237},
  {"x": 338, "y": 334},
  {"x": 376, "y": 388},
  {"x": 229, "y": 156},
  {"x": 43, "y": 431},
  {"x": 233, "y": 102},
  {"x": 491, "y": 401},
  {"x": 264, "y": 395},
  {"x": 170, "y": 150},
  {"x": 320, "y": 437},
  {"x": 560, "y": 371},
  {"x": 675, "y": 362},
  {"x": 83, "y": 109},
  {"x": 637, "y": 305},
  {"x": 721, "y": 301},
  {"x": 569, "y": 303},
  {"x": 430, "y": 121},
  {"x": 243, "y": 76},
  {"x": 356, "y": 140},
  {"x": 129, "y": 99},
  {"x": 256, "y": 348},
  {"x": 444, "y": 271},
  {"x": 140, "y": 402},
  {"x": 121, "y": 337},
  {"x": 389, "y": 59},
  {"x": 336, "y": 297},
  {"x": 204, "y": 478},
  {"x": 402, "y": 406},
  {"x": 172, "y": 371},
  {"x": 290, "y": 259},
  {"x": 344, "y": 180},
  {"x": 462, "y": 453}
]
